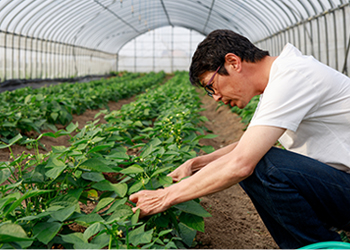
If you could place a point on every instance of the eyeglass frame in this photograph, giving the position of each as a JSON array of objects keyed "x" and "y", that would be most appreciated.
[{"x": 210, "y": 91}]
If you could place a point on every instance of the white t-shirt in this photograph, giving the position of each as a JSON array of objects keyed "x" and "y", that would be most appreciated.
[{"x": 312, "y": 101}]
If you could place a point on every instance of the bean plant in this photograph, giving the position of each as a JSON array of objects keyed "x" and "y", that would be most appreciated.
[
  {"x": 27, "y": 109},
  {"x": 247, "y": 112},
  {"x": 43, "y": 195}
]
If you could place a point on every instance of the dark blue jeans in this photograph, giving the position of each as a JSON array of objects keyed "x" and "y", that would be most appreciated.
[{"x": 299, "y": 199}]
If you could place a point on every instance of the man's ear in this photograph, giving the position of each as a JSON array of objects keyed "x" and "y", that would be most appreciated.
[{"x": 233, "y": 61}]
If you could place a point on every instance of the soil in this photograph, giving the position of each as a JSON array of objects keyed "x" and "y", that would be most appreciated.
[{"x": 234, "y": 224}]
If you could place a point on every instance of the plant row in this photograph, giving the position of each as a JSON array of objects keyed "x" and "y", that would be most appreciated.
[
  {"x": 42, "y": 195},
  {"x": 248, "y": 111},
  {"x": 29, "y": 109}
]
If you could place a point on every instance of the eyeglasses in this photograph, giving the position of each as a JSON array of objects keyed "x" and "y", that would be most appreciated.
[{"x": 208, "y": 87}]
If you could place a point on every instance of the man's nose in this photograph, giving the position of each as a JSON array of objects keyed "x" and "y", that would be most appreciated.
[{"x": 217, "y": 97}]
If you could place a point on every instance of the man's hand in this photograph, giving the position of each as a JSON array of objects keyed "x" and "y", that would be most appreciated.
[
  {"x": 181, "y": 172},
  {"x": 150, "y": 201}
]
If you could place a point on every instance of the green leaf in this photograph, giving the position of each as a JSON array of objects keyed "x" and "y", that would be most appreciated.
[
  {"x": 193, "y": 221},
  {"x": 93, "y": 176},
  {"x": 49, "y": 134},
  {"x": 155, "y": 142},
  {"x": 103, "y": 186},
  {"x": 15, "y": 139},
  {"x": 139, "y": 236},
  {"x": 121, "y": 212},
  {"x": 135, "y": 217},
  {"x": 193, "y": 207},
  {"x": 165, "y": 180},
  {"x": 92, "y": 230},
  {"x": 71, "y": 127},
  {"x": 59, "y": 149},
  {"x": 138, "y": 124},
  {"x": 96, "y": 165},
  {"x": 10, "y": 232},
  {"x": 102, "y": 204},
  {"x": 161, "y": 170},
  {"x": 120, "y": 189},
  {"x": 147, "y": 152},
  {"x": 34, "y": 217},
  {"x": 12, "y": 141},
  {"x": 187, "y": 234},
  {"x": 89, "y": 219},
  {"x": 54, "y": 116},
  {"x": 97, "y": 139},
  {"x": 46, "y": 231},
  {"x": 116, "y": 204},
  {"x": 5, "y": 173},
  {"x": 100, "y": 241},
  {"x": 26, "y": 195},
  {"x": 63, "y": 214},
  {"x": 5, "y": 201},
  {"x": 101, "y": 147},
  {"x": 118, "y": 156},
  {"x": 27, "y": 99},
  {"x": 74, "y": 238},
  {"x": 171, "y": 152},
  {"x": 134, "y": 169},
  {"x": 135, "y": 187},
  {"x": 164, "y": 232},
  {"x": 208, "y": 149},
  {"x": 208, "y": 136},
  {"x": 203, "y": 119},
  {"x": 76, "y": 193},
  {"x": 57, "y": 168}
]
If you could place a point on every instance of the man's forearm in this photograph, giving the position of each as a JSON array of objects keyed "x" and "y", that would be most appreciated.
[{"x": 201, "y": 161}]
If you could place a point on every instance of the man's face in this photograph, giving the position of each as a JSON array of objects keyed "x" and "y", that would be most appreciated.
[{"x": 230, "y": 89}]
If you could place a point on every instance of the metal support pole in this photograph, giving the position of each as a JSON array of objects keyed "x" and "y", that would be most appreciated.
[
  {"x": 318, "y": 38},
  {"x": 345, "y": 69},
  {"x": 154, "y": 50},
  {"x": 190, "y": 51},
  {"x": 13, "y": 57},
  {"x": 335, "y": 41},
  {"x": 172, "y": 49},
  {"x": 305, "y": 41},
  {"x": 135, "y": 55},
  {"x": 327, "y": 45},
  {"x": 31, "y": 58},
  {"x": 117, "y": 61}
]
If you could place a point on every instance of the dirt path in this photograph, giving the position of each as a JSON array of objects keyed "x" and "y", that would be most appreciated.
[{"x": 234, "y": 222}]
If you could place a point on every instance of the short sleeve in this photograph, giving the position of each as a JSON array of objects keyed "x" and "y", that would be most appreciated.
[{"x": 288, "y": 98}]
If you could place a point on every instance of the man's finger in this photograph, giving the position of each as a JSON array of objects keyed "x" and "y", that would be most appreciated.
[{"x": 134, "y": 197}]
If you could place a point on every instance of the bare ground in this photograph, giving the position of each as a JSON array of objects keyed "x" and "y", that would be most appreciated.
[{"x": 235, "y": 223}]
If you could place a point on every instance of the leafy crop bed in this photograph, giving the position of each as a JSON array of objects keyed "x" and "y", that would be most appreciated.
[
  {"x": 41, "y": 195},
  {"x": 28, "y": 109},
  {"x": 248, "y": 111}
]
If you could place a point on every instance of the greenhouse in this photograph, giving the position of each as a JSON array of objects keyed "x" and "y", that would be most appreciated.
[{"x": 101, "y": 128}]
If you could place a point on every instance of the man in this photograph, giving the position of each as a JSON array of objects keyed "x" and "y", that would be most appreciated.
[{"x": 300, "y": 193}]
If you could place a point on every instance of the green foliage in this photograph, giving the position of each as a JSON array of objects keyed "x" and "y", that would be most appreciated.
[
  {"x": 28, "y": 109},
  {"x": 41, "y": 195},
  {"x": 248, "y": 111}
]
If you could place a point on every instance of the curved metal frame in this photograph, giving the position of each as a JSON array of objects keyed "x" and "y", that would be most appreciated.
[{"x": 59, "y": 30}]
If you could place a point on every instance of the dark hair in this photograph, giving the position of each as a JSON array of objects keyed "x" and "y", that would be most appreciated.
[{"x": 210, "y": 53}]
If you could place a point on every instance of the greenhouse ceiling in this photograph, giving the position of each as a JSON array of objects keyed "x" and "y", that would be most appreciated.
[{"x": 106, "y": 25}]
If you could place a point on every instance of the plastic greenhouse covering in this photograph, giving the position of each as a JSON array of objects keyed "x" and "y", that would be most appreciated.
[{"x": 65, "y": 38}]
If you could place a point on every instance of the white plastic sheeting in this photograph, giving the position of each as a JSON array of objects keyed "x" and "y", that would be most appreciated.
[
  {"x": 168, "y": 48},
  {"x": 50, "y": 38}
]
